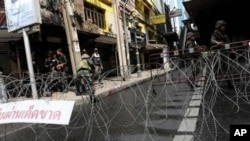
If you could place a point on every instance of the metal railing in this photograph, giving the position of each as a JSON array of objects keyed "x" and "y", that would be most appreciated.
[
  {"x": 97, "y": 17},
  {"x": 228, "y": 62}
]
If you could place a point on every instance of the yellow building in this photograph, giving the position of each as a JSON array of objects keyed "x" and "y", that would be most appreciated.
[{"x": 101, "y": 12}]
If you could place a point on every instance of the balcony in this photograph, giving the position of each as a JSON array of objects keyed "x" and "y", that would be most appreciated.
[{"x": 97, "y": 16}]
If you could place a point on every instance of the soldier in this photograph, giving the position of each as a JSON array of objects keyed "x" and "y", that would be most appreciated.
[
  {"x": 48, "y": 61},
  {"x": 218, "y": 39},
  {"x": 84, "y": 72},
  {"x": 194, "y": 57},
  {"x": 97, "y": 64},
  {"x": 62, "y": 61},
  {"x": 219, "y": 36},
  {"x": 62, "y": 67}
]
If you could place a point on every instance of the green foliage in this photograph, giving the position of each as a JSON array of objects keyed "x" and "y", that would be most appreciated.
[{"x": 78, "y": 17}]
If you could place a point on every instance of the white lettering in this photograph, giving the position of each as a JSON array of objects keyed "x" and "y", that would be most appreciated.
[
  {"x": 239, "y": 132},
  {"x": 243, "y": 131}
]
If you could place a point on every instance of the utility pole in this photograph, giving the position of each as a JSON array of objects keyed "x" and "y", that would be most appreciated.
[
  {"x": 71, "y": 33},
  {"x": 120, "y": 41},
  {"x": 126, "y": 38},
  {"x": 165, "y": 49}
]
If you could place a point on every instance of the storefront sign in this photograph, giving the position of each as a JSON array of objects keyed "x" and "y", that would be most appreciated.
[
  {"x": 159, "y": 19},
  {"x": 37, "y": 111},
  {"x": 175, "y": 13},
  {"x": 22, "y": 13}
]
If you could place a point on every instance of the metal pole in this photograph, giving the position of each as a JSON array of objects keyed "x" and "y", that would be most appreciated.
[
  {"x": 30, "y": 66},
  {"x": 165, "y": 49},
  {"x": 18, "y": 62},
  {"x": 126, "y": 38},
  {"x": 137, "y": 54},
  {"x": 174, "y": 24},
  {"x": 3, "y": 95}
]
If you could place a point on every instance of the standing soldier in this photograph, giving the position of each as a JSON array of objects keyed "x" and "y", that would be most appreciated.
[
  {"x": 62, "y": 61},
  {"x": 218, "y": 39},
  {"x": 219, "y": 36},
  {"x": 194, "y": 57},
  {"x": 62, "y": 65},
  {"x": 48, "y": 61},
  {"x": 97, "y": 63}
]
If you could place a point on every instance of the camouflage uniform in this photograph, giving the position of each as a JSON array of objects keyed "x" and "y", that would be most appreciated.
[
  {"x": 194, "y": 57},
  {"x": 219, "y": 35},
  {"x": 84, "y": 74}
]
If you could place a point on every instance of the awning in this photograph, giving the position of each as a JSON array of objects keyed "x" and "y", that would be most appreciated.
[
  {"x": 5, "y": 36},
  {"x": 155, "y": 46},
  {"x": 193, "y": 7},
  {"x": 106, "y": 39}
]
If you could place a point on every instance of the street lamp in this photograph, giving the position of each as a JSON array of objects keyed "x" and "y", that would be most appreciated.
[{"x": 134, "y": 20}]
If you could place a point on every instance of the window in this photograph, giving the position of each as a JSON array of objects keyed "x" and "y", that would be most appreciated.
[{"x": 94, "y": 13}]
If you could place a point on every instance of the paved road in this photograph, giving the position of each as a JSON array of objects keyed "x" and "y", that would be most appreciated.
[
  {"x": 138, "y": 113},
  {"x": 222, "y": 106}
]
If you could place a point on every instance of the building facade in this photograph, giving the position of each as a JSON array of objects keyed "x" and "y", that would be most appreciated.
[{"x": 99, "y": 25}]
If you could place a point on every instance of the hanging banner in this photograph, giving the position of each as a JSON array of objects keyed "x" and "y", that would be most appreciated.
[
  {"x": 37, "y": 111},
  {"x": 22, "y": 13}
]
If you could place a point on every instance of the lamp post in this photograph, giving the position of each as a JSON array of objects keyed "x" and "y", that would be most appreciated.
[{"x": 133, "y": 19}]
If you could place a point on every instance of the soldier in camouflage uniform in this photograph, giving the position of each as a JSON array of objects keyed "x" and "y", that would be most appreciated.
[
  {"x": 194, "y": 57},
  {"x": 218, "y": 39},
  {"x": 219, "y": 36}
]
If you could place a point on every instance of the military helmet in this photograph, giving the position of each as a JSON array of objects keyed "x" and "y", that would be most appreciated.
[
  {"x": 219, "y": 23},
  {"x": 189, "y": 35}
]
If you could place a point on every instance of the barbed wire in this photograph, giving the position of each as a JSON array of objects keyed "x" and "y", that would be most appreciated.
[{"x": 151, "y": 109}]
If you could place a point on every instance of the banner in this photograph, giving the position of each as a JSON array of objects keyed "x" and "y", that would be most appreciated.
[
  {"x": 37, "y": 111},
  {"x": 22, "y": 13}
]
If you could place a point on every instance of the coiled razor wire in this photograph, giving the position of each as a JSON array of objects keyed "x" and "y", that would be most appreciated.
[{"x": 149, "y": 110}]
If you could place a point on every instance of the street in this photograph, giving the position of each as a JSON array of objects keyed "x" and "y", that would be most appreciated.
[
  {"x": 160, "y": 108},
  {"x": 140, "y": 112},
  {"x": 219, "y": 110}
]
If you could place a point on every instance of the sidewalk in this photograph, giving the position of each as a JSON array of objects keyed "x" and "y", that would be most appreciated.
[{"x": 110, "y": 86}]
